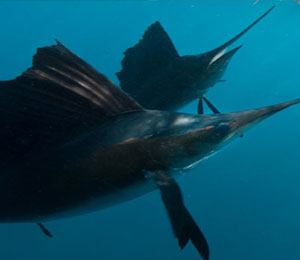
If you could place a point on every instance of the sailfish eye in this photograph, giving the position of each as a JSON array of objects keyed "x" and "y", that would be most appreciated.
[{"x": 222, "y": 129}]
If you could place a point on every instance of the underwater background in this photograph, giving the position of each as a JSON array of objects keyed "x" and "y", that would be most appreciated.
[{"x": 245, "y": 198}]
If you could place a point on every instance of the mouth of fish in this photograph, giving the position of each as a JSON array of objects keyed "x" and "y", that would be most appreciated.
[{"x": 222, "y": 57}]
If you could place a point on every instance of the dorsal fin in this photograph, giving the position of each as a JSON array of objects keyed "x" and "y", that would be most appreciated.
[
  {"x": 59, "y": 96},
  {"x": 154, "y": 51},
  {"x": 57, "y": 65}
]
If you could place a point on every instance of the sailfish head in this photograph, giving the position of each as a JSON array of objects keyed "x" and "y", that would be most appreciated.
[
  {"x": 214, "y": 63},
  {"x": 201, "y": 136}
]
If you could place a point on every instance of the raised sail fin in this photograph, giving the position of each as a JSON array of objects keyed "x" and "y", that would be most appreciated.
[
  {"x": 58, "y": 97},
  {"x": 154, "y": 51}
]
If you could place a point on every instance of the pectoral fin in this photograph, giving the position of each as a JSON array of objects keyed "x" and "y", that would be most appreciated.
[
  {"x": 44, "y": 230},
  {"x": 211, "y": 106},
  {"x": 184, "y": 226},
  {"x": 200, "y": 106}
]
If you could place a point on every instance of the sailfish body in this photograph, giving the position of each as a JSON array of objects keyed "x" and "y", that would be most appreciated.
[
  {"x": 153, "y": 68},
  {"x": 72, "y": 142}
]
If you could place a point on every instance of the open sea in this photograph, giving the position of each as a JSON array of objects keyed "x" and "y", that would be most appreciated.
[{"x": 246, "y": 198}]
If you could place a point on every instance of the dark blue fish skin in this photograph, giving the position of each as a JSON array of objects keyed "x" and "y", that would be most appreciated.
[
  {"x": 107, "y": 165},
  {"x": 155, "y": 75}
]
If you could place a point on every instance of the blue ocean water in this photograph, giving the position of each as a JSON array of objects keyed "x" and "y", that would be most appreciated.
[{"x": 245, "y": 198}]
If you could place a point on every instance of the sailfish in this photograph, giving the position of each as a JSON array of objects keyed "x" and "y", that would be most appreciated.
[
  {"x": 153, "y": 68},
  {"x": 72, "y": 142}
]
